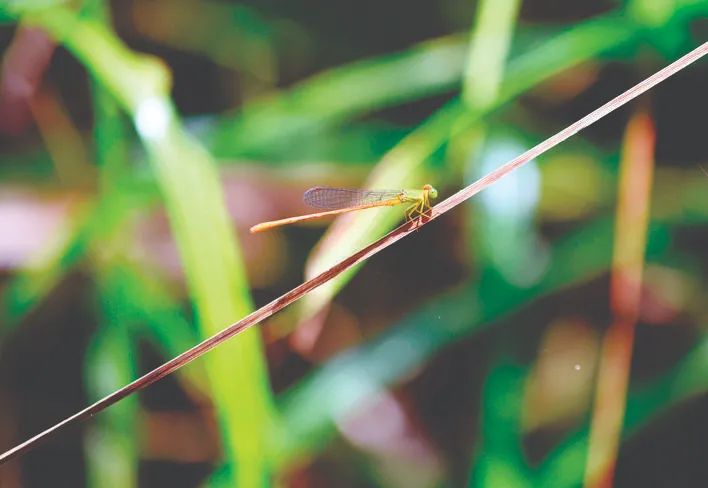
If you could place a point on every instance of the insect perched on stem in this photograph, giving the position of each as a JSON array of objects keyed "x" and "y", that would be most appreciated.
[{"x": 335, "y": 201}]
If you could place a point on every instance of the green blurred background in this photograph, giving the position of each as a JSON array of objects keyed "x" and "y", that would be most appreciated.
[{"x": 141, "y": 139}]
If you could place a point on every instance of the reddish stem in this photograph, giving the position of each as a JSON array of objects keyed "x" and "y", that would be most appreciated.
[{"x": 625, "y": 295}]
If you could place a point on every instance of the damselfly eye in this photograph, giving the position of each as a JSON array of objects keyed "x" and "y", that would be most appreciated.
[{"x": 432, "y": 192}]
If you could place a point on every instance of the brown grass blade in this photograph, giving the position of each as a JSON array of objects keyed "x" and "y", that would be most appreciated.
[{"x": 625, "y": 294}]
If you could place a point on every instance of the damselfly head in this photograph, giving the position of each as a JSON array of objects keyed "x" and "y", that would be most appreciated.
[{"x": 432, "y": 192}]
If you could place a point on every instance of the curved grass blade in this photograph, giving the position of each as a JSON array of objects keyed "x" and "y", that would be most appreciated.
[
  {"x": 429, "y": 68},
  {"x": 214, "y": 271}
]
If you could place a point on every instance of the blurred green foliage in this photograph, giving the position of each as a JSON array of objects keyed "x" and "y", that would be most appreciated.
[{"x": 443, "y": 110}]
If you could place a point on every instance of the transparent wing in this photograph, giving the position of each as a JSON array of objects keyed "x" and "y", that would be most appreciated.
[{"x": 335, "y": 198}]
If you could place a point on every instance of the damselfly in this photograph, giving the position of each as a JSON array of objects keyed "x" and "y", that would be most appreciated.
[{"x": 335, "y": 201}]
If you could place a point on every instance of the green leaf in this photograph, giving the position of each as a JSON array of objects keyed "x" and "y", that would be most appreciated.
[
  {"x": 500, "y": 461},
  {"x": 339, "y": 94},
  {"x": 193, "y": 196},
  {"x": 112, "y": 444}
]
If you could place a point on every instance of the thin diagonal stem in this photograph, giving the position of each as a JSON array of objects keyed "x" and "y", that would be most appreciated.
[{"x": 373, "y": 248}]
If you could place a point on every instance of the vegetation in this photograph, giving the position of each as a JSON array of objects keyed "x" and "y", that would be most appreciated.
[{"x": 153, "y": 134}]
